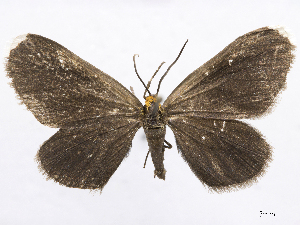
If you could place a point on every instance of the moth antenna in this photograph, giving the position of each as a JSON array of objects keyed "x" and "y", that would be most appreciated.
[
  {"x": 170, "y": 67},
  {"x": 138, "y": 74},
  {"x": 146, "y": 159},
  {"x": 149, "y": 83}
]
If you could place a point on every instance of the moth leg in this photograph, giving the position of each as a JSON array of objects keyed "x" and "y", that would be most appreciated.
[
  {"x": 160, "y": 174},
  {"x": 146, "y": 158},
  {"x": 169, "y": 146}
]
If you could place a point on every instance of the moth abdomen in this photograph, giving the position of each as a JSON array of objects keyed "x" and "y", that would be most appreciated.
[{"x": 155, "y": 138}]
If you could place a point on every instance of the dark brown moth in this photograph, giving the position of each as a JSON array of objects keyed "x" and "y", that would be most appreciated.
[{"x": 98, "y": 117}]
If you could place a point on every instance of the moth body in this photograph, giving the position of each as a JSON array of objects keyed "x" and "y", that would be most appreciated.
[{"x": 155, "y": 129}]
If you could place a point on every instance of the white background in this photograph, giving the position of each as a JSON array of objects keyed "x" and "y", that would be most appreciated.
[{"x": 107, "y": 34}]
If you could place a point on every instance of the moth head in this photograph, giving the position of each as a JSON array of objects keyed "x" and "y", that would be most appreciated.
[
  {"x": 150, "y": 100},
  {"x": 153, "y": 102}
]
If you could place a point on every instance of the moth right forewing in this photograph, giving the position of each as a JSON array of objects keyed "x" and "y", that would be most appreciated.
[
  {"x": 242, "y": 81},
  {"x": 59, "y": 88}
]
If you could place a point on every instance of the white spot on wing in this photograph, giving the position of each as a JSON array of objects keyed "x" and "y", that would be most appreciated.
[
  {"x": 132, "y": 91},
  {"x": 17, "y": 41},
  {"x": 223, "y": 126},
  {"x": 14, "y": 44},
  {"x": 114, "y": 111},
  {"x": 283, "y": 31},
  {"x": 217, "y": 167},
  {"x": 230, "y": 61}
]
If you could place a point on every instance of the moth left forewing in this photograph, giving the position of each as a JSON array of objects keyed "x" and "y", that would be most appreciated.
[
  {"x": 58, "y": 87},
  {"x": 242, "y": 81},
  {"x": 223, "y": 154}
]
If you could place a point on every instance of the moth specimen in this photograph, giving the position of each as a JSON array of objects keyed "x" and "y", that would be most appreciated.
[{"x": 98, "y": 117}]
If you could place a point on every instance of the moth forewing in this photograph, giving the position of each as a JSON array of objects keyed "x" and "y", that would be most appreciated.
[{"x": 242, "y": 81}]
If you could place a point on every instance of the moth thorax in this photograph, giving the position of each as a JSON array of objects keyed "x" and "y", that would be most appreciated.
[{"x": 153, "y": 114}]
